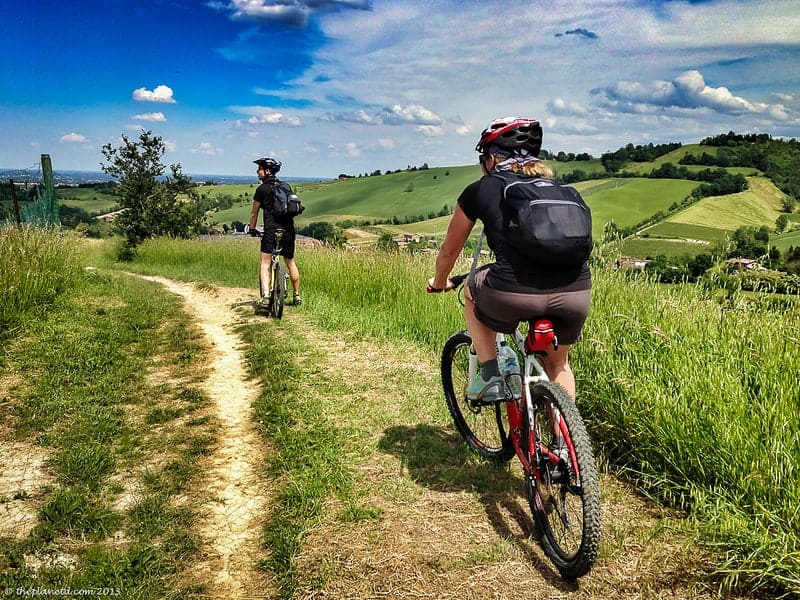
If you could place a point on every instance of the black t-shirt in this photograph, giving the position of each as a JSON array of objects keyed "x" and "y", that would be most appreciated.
[
  {"x": 512, "y": 271},
  {"x": 265, "y": 197}
]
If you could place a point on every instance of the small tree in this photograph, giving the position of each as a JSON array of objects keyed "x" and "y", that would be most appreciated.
[
  {"x": 386, "y": 243},
  {"x": 153, "y": 204}
]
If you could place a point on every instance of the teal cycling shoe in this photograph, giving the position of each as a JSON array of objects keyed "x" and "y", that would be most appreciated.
[{"x": 492, "y": 390}]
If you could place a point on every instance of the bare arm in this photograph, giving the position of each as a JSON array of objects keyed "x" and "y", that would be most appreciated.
[
  {"x": 254, "y": 214},
  {"x": 457, "y": 233}
]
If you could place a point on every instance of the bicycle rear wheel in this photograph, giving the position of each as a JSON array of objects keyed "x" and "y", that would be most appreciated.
[
  {"x": 278, "y": 289},
  {"x": 565, "y": 498},
  {"x": 483, "y": 426}
]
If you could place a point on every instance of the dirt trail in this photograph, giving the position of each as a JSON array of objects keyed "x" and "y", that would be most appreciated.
[{"x": 237, "y": 498}]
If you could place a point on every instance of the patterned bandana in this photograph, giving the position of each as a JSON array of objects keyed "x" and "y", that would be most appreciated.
[{"x": 516, "y": 159}]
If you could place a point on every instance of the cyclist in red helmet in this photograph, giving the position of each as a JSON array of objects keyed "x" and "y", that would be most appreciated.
[
  {"x": 262, "y": 199},
  {"x": 513, "y": 288}
]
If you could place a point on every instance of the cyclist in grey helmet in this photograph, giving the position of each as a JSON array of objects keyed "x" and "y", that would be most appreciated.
[{"x": 263, "y": 200}]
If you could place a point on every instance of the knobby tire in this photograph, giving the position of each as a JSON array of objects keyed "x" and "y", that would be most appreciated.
[
  {"x": 278, "y": 289},
  {"x": 566, "y": 509},
  {"x": 483, "y": 427}
]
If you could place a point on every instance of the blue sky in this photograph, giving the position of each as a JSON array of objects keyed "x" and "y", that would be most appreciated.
[{"x": 350, "y": 86}]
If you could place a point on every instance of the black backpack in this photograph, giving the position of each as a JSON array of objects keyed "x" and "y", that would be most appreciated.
[
  {"x": 545, "y": 221},
  {"x": 285, "y": 201}
]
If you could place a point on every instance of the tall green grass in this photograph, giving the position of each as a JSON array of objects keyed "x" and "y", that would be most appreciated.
[
  {"x": 694, "y": 395},
  {"x": 35, "y": 266}
]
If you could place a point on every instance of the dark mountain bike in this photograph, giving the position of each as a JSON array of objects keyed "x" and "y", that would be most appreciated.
[
  {"x": 272, "y": 303},
  {"x": 540, "y": 424}
]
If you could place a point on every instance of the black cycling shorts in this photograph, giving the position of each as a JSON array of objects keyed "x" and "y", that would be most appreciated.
[{"x": 268, "y": 244}]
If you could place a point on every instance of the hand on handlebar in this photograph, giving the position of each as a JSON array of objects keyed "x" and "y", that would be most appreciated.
[{"x": 434, "y": 290}]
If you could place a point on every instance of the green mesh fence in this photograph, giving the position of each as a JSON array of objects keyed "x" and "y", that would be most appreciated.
[{"x": 29, "y": 196}]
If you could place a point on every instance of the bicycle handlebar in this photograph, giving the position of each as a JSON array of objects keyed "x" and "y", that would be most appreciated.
[{"x": 456, "y": 280}]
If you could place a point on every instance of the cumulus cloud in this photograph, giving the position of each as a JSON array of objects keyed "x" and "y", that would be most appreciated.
[
  {"x": 260, "y": 115},
  {"x": 687, "y": 91},
  {"x": 295, "y": 13},
  {"x": 275, "y": 118},
  {"x": 155, "y": 117},
  {"x": 162, "y": 93},
  {"x": 412, "y": 114},
  {"x": 355, "y": 116},
  {"x": 430, "y": 130},
  {"x": 386, "y": 143},
  {"x": 206, "y": 148},
  {"x": 75, "y": 138},
  {"x": 566, "y": 108}
]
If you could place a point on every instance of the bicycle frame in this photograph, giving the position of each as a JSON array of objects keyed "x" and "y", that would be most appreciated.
[{"x": 532, "y": 373}]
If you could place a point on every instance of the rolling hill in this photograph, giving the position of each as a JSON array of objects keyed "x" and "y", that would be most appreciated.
[{"x": 410, "y": 202}]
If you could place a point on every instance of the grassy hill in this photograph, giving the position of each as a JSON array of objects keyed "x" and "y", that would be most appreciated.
[
  {"x": 675, "y": 156},
  {"x": 419, "y": 194},
  {"x": 631, "y": 201}
]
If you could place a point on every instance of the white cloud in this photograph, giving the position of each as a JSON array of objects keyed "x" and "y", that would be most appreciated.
[
  {"x": 161, "y": 93},
  {"x": 206, "y": 148},
  {"x": 275, "y": 118},
  {"x": 687, "y": 91},
  {"x": 412, "y": 113},
  {"x": 74, "y": 138},
  {"x": 353, "y": 150},
  {"x": 430, "y": 130},
  {"x": 261, "y": 115},
  {"x": 155, "y": 117},
  {"x": 386, "y": 143},
  {"x": 559, "y": 106}
]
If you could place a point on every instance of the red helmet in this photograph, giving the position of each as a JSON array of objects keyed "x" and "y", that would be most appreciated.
[{"x": 512, "y": 134}]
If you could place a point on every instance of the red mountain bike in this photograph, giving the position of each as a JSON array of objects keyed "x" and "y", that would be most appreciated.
[{"x": 540, "y": 424}]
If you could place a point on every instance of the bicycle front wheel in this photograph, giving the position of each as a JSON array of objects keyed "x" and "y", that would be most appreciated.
[
  {"x": 278, "y": 289},
  {"x": 483, "y": 426},
  {"x": 565, "y": 496}
]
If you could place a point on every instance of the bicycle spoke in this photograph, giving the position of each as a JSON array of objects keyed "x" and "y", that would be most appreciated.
[{"x": 482, "y": 425}]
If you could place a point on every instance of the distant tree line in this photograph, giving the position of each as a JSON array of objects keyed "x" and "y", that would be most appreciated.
[
  {"x": 378, "y": 172},
  {"x": 565, "y": 156},
  {"x": 614, "y": 161}
]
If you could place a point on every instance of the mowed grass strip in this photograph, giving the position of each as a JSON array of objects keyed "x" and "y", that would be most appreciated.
[{"x": 106, "y": 387}]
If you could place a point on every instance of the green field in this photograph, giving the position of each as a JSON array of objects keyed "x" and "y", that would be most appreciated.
[
  {"x": 786, "y": 240},
  {"x": 759, "y": 205},
  {"x": 94, "y": 201},
  {"x": 631, "y": 201}
]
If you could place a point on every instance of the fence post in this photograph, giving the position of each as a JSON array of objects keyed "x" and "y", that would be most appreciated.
[
  {"x": 14, "y": 202},
  {"x": 50, "y": 191}
]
